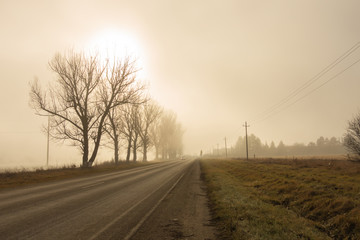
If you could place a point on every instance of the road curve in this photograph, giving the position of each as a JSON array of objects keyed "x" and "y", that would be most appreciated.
[{"x": 106, "y": 206}]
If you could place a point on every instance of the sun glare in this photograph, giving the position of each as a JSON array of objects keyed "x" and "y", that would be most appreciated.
[{"x": 111, "y": 44}]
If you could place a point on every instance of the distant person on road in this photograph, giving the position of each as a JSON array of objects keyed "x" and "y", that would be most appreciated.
[{"x": 200, "y": 153}]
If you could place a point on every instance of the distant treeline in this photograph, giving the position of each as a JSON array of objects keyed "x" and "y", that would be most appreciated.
[{"x": 322, "y": 146}]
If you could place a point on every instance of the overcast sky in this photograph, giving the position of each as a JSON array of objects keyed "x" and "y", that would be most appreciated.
[{"x": 216, "y": 64}]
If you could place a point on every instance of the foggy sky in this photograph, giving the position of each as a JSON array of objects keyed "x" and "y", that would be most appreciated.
[{"x": 216, "y": 64}]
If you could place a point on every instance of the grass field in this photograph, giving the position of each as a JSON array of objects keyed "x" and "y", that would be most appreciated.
[
  {"x": 284, "y": 199},
  {"x": 21, "y": 178}
]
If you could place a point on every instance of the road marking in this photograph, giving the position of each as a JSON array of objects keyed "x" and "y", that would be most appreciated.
[
  {"x": 92, "y": 185},
  {"x": 131, "y": 208},
  {"x": 134, "y": 229}
]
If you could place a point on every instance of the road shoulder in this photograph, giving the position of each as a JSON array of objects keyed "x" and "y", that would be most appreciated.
[{"x": 184, "y": 213}]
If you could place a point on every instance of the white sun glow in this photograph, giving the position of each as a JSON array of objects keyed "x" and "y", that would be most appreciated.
[{"x": 111, "y": 44}]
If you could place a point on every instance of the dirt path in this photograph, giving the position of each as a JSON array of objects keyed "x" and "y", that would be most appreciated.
[{"x": 184, "y": 214}]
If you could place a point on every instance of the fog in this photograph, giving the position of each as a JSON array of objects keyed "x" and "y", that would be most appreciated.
[{"x": 216, "y": 64}]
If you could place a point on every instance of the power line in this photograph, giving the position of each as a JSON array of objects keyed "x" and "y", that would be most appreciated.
[
  {"x": 316, "y": 77},
  {"x": 309, "y": 82},
  {"x": 280, "y": 105},
  {"x": 247, "y": 149},
  {"x": 313, "y": 90},
  {"x": 225, "y": 148},
  {"x": 273, "y": 111},
  {"x": 48, "y": 142}
]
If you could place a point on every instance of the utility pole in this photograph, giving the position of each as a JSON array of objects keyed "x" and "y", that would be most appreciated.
[
  {"x": 218, "y": 152},
  {"x": 247, "y": 149},
  {"x": 225, "y": 148},
  {"x": 48, "y": 137}
]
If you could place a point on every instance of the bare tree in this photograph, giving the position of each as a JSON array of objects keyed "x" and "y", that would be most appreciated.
[
  {"x": 133, "y": 126},
  {"x": 82, "y": 97},
  {"x": 176, "y": 145},
  {"x": 170, "y": 133},
  {"x": 149, "y": 113},
  {"x": 155, "y": 137},
  {"x": 112, "y": 128},
  {"x": 135, "y": 144},
  {"x": 127, "y": 127},
  {"x": 352, "y": 136}
]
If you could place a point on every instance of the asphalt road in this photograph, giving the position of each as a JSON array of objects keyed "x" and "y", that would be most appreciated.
[{"x": 107, "y": 206}]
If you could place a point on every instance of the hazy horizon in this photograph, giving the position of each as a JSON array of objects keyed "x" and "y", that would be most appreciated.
[{"x": 216, "y": 64}]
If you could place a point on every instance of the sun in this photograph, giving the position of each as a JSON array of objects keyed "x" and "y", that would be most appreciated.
[{"x": 113, "y": 44}]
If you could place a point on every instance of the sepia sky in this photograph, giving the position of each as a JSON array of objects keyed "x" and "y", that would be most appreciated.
[{"x": 216, "y": 64}]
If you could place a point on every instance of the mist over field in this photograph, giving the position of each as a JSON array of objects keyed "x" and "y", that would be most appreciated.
[
  {"x": 120, "y": 118},
  {"x": 288, "y": 68}
]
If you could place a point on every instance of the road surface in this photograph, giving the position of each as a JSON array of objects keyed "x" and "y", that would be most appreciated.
[{"x": 160, "y": 201}]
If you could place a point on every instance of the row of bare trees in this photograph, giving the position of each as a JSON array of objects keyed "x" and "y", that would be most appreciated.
[
  {"x": 93, "y": 99},
  {"x": 141, "y": 127}
]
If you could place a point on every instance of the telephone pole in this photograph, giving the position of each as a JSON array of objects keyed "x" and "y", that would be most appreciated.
[
  {"x": 247, "y": 149},
  {"x": 48, "y": 137},
  {"x": 225, "y": 148}
]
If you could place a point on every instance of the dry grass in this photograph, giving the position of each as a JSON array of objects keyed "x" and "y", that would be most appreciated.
[
  {"x": 285, "y": 199},
  {"x": 12, "y": 179}
]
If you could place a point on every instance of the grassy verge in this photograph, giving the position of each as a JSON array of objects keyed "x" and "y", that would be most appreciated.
[
  {"x": 284, "y": 199},
  {"x": 21, "y": 178}
]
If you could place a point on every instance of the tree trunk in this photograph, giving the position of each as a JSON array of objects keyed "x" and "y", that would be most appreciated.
[
  {"x": 94, "y": 153},
  {"x": 116, "y": 150},
  {"x": 163, "y": 154},
  {"x": 134, "y": 148},
  {"x": 156, "y": 153},
  {"x": 115, "y": 139},
  {"x": 128, "y": 151},
  {"x": 98, "y": 138},
  {"x": 85, "y": 150},
  {"x": 85, "y": 157},
  {"x": 145, "y": 152}
]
